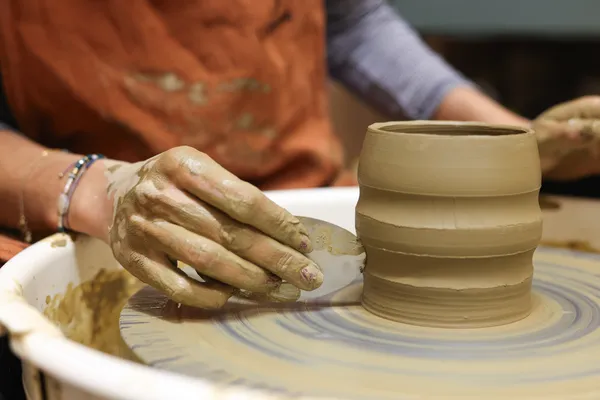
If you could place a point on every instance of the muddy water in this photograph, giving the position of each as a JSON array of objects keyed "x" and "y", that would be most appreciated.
[{"x": 88, "y": 313}]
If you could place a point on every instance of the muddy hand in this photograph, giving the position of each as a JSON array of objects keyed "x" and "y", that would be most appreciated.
[
  {"x": 181, "y": 205},
  {"x": 568, "y": 137}
]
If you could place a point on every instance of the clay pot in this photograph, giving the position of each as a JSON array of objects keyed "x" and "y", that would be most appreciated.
[{"x": 449, "y": 218}]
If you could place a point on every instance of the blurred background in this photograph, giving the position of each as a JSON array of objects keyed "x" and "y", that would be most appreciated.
[{"x": 527, "y": 54}]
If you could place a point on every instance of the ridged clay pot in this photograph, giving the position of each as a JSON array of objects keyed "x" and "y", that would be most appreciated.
[{"x": 449, "y": 218}]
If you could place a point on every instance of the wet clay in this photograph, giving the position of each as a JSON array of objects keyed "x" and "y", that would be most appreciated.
[
  {"x": 579, "y": 245},
  {"x": 547, "y": 203},
  {"x": 331, "y": 347},
  {"x": 449, "y": 217},
  {"x": 181, "y": 205},
  {"x": 88, "y": 313}
]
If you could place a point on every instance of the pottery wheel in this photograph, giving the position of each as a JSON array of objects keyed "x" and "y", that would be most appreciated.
[{"x": 330, "y": 346}]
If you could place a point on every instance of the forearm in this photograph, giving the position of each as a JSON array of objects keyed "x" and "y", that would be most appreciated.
[
  {"x": 31, "y": 187},
  {"x": 378, "y": 55},
  {"x": 468, "y": 104}
]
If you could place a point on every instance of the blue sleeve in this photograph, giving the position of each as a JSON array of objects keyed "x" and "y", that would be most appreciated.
[{"x": 375, "y": 53}]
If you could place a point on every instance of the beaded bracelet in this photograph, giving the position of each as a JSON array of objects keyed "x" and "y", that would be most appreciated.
[{"x": 64, "y": 200}]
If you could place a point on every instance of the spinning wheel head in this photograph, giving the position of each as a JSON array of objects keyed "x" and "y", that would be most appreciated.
[{"x": 328, "y": 345}]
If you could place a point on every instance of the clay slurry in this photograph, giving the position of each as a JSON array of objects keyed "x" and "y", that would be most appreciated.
[{"x": 449, "y": 218}]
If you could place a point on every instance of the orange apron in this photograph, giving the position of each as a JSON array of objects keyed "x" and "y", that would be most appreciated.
[{"x": 241, "y": 80}]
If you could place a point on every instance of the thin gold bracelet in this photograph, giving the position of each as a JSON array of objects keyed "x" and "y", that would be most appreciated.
[{"x": 23, "y": 226}]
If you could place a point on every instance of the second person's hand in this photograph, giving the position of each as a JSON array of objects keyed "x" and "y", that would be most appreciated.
[{"x": 569, "y": 139}]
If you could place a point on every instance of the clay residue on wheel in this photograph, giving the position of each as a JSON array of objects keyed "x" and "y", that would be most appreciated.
[
  {"x": 88, "y": 313},
  {"x": 579, "y": 245},
  {"x": 60, "y": 242},
  {"x": 547, "y": 203}
]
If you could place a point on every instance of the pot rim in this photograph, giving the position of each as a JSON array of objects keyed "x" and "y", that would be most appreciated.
[{"x": 420, "y": 127}]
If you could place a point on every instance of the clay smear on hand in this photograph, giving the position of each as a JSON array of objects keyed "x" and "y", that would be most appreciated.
[
  {"x": 181, "y": 205},
  {"x": 568, "y": 132},
  {"x": 449, "y": 217}
]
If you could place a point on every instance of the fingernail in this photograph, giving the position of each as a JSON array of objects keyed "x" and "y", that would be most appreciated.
[
  {"x": 312, "y": 275},
  {"x": 273, "y": 281},
  {"x": 286, "y": 292},
  {"x": 305, "y": 244}
]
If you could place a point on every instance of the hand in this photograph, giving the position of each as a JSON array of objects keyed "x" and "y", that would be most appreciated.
[
  {"x": 181, "y": 205},
  {"x": 569, "y": 139}
]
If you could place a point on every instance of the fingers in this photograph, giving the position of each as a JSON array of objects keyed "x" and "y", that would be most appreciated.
[
  {"x": 589, "y": 129},
  {"x": 286, "y": 293},
  {"x": 576, "y": 165},
  {"x": 568, "y": 149},
  {"x": 198, "y": 174},
  {"x": 587, "y": 107},
  {"x": 568, "y": 131},
  {"x": 246, "y": 242},
  {"x": 558, "y": 135},
  {"x": 157, "y": 272},
  {"x": 558, "y": 138},
  {"x": 207, "y": 257},
  {"x": 575, "y": 130}
]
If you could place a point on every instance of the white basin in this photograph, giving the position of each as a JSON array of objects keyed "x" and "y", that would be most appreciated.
[{"x": 73, "y": 371}]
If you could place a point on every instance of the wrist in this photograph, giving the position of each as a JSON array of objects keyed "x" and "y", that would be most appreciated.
[
  {"x": 90, "y": 210},
  {"x": 468, "y": 104}
]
